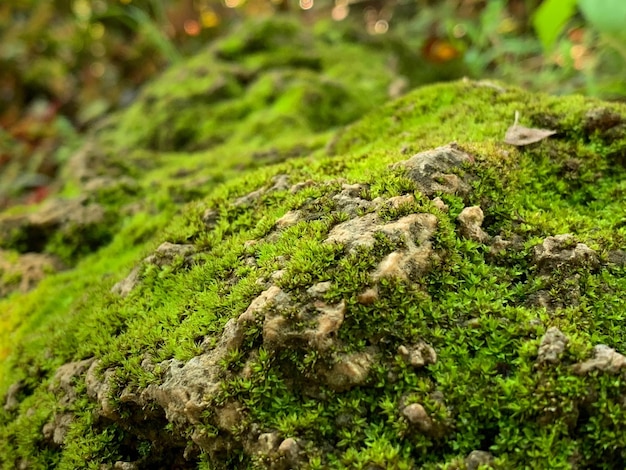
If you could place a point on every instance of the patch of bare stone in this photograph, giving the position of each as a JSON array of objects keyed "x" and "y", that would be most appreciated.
[
  {"x": 436, "y": 170},
  {"x": 165, "y": 255},
  {"x": 552, "y": 346},
  {"x": 604, "y": 358},
  {"x": 562, "y": 251},
  {"x": 55, "y": 216},
  {"x": 24, "y": 272}
]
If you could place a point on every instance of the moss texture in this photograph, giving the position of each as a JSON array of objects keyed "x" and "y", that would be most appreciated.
[{"x": 329, "y": 299}]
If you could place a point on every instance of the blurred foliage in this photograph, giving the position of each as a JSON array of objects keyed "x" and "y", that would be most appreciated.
[{"x": 66, "y": 63}]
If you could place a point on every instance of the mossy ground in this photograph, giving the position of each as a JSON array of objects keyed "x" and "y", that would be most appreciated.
[{"x": 486, "y": 390}]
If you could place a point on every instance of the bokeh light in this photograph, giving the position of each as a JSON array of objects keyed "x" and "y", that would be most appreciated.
[
  {"x": 370, "y": 14},
  {"x": 381, "y": 27},
  {"x": 192, "y": 27},
  {"x": 96, "y": 69},
  {"x": 82, "y": 9},
  {"x": 306, "y": 4},
  {"x": 209, "y": 18},
  {"x": 97, "y": 31},
  {"x": 97, "y": 49},
  {"x": 459, "y": 31},
  {"x": 340, "y": 11}
]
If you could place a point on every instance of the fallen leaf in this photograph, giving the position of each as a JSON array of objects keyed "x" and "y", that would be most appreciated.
[{"x": 519, "y": 135}]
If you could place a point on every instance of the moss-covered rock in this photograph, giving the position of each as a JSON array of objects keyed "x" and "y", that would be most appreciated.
[
  {"x": 389, "y": 300},
  {"x": 268, "y": 92}
]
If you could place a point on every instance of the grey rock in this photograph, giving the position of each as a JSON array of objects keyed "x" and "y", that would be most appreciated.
[
  {"x": 319, "y": 289},
  {"x": 415, "y": 231},
  {"x": 228, "y": 416},
  {"x": 268, "y": 442},
  {"x": 439, "y": 204},
  {"x": 600, "y": 120},
  {"x": 289, "y": 219},
  {"x": 617, "y": 257},
  {"x": 209, "y": 218},
  {"x": 279, "y": 183},
  {"x": 300, "y": 186},
  {"x": 188, "y": 387},
  {"x": 478, "y": 458},
  {"x": 29, "y": 269},
  {"x": 360, "y": 231},
  {"x": 355, "y": 233},
  {"x": 268, "y": 297},
  {"x": 126, "y": 285},
  {"x": 167, "y": 252},
  {"x": 63, "y": 379},
  {"x": 552, "y": 346},
  {"x": 432, "y": 170},
  {"x": 281, "y": 327},
  {"x": 417, "y": 415},
  {"x": 498, "y": 245},
  {"x": 290, "y": 449},
  {"x": 120, "y": 465},
  {"x": 349, "y": 200},
  {"x": 368, "y": 296},
  {"x": 329, "y": 321},
  {"x": 398, "y": 201},
  {"x": 605, "y": 359},
  {"x": 100, "y": 389},
  {"x": 11, "y": 402},
  {"x": 418, "y": 355},
  {"x": 350, "y": 370},
  {"x": 164, "y": 255},
  {"x": 563, "y": 251},
  {"x": 470, "y": 221},
  {"x": 54, "y": 431}
]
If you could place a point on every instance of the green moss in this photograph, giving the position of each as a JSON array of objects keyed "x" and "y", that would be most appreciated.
[{"x": 484, "y": 311}]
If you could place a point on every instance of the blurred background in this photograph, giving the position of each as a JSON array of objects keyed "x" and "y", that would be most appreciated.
[{"x": 65, "y": 63}]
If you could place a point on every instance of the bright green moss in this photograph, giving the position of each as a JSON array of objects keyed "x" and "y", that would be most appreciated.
[{"x": 484, "y": 310}]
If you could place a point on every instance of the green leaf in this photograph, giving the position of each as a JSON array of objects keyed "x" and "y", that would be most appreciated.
[
  {"x": 607, "y": 16},
  {"x": 550, "y": 19}
]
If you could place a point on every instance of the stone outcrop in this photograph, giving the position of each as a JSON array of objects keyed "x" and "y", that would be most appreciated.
[{"x": 434, "y": 170}]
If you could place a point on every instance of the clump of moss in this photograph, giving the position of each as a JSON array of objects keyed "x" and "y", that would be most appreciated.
[
  {"x": 350, "y": 307},
  {"x": 270, "y": 81}
]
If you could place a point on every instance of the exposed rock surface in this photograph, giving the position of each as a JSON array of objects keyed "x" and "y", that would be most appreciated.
[
  {"x": 418, "y": 355},
  {"x": 70, "y": 219},
  {"x": 11, "y": 400},
  {"x": 413, "y": 232},
  {"x": 563, "y": 251},
  {"x": 23, "y": 272},
  {"x": 477, "y": 459},
  {"x": 470, "y": 221},
  {"x": 417, "y": 415},
  {"x": 552, "y": 346},
  {"x": 164, "y": 255},
  {"x": 187, "y": 387},
  {"x": 604, "y": 359},
  {"x": 432, "y": 170}
]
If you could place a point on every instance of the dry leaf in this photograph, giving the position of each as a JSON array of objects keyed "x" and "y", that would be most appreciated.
[{"x": 520, "y": 135}]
